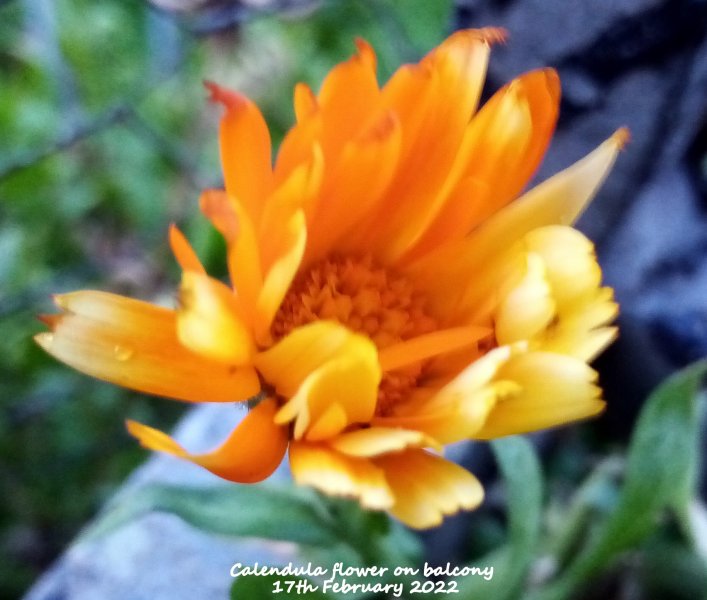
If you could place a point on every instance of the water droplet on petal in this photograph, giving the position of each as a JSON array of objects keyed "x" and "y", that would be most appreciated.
[{"x": 123, "y": 353}]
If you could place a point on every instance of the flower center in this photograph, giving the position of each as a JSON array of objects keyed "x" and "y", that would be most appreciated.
[{"x": 366, "y": 298}]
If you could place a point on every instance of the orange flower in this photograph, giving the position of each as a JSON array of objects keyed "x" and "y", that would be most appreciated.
[{"x": 391, "y": 292}]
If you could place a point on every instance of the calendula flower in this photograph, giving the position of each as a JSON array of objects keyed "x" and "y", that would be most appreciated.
[{"x": 392, "y": 290}]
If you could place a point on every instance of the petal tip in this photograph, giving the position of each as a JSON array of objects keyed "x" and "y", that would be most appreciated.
[
  {"x": 622, "y": 137},
  {"x": 228, "y": 98},
  {"x": 44, "y": 339},
  {"x": 494, "y": 35}
]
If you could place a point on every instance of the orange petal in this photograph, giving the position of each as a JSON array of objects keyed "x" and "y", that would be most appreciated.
[
  {"x": 183, "y": 252},
  {"x": 361, "y": 176},
  {"x": 218, "y": 208},
  {"x": 244, "y": 262},
  {"x": 305, "y": 101},
  {"x": 427, "y": 487},
  {"x": 429, "y": 345},
  {"x": 134, "y": 344},
  {"x": 348, "y": 95},
  {"x": 459, "y": 273},
  {"x": 210, "y": 321},
  {"x": 245, "y": 149},
  {"x": 502, "y": 147},
  {"x": 251, "y": 453},
  {"x": 434, "y": 104},
  {"x": 339, "y": 475}
]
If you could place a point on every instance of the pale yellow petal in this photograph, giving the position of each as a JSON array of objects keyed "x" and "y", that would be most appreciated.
[
  {"x": 349, "y": 380},
  {"x": 373, "y": 441},
  {"x": 529, "y": 307},
  {"x": 551, "y": 389}
]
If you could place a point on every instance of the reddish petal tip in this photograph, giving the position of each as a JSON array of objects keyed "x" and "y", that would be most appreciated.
[
  {"x": 622, "y": 137},
  {"x": 222, "y": 95}
]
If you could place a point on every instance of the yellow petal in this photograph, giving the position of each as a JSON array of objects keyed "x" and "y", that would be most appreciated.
[
  {"x": 426, "y": 487},
  {"x": 350, "y": 381},
  {"x": 245, "y": 150},
  {"x": 251, "y": 453},
  {"x": 373, "y": 441},
  {"x": 528, "y": 308},
  {"x": 571, "y": 266},
  {"x": 459, "y": 408},
  {"x": 183, "y": 252},
  {"x": 210, "y": 320},
  {"x": 551, "y": 389},
  {"x": 289, "y": 362},
  {"x": 339, "y": 475},
  {"x": 134, "y": 344}
]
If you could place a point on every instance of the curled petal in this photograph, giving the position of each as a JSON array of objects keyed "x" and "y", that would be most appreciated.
[
  {"x": 135, "y": 344},
  {"x": 528, "y": 308},
  {"x": 251, "y": 453}
]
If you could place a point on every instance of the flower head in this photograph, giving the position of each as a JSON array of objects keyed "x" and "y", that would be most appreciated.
[{"x": 391, "y": 289}]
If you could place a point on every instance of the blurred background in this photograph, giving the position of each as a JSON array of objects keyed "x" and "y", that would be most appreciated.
[{"x": 106, "y": 138}]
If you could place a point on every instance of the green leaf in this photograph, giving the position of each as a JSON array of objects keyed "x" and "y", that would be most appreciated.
[
  {"x": 660, "y": 474},
  {"x": 523, "y": 477},
  {"x": 268, "y": 511}
]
